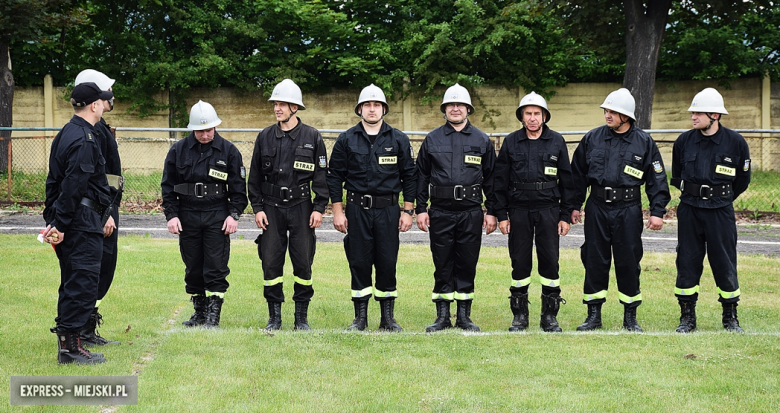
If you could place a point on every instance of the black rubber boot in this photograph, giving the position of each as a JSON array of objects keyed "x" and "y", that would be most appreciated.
[
  {"x": 442, "y": 321},
  {"x": 463, "y": 320},
  {"x": 730, "y": 321},
  {"x": 550, "y": 306},
  {"x": 518, "y": 303},
  {"x": 687, "y": 317},
  {"x": 71, "y": 351},
  {"x": 274, "y": 316},
  {"x": 301, "y": 315},
  {"x": 199, "y": 303},
  {"x": 387, "y": 322},
  {"x": 629, "y": 319},
  {"x": 361, "y": 316},
  {"x": 593, "y": 320},
  {"x": 213, "y": 311},
  {"x": 89, "y": 335}
]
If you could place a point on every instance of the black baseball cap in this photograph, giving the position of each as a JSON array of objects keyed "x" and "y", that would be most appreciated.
[{"x": 86, "y": 93}]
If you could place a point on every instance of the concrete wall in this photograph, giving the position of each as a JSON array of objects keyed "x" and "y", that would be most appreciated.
[{"x": 752, "y": 103}]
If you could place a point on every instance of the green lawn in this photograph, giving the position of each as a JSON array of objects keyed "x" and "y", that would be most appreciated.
[{"x": 241, "y": 368}]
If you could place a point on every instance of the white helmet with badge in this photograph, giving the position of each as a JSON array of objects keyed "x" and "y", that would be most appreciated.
[
  {"x": 457, "y": 94},
  {"x": 203, "y": 116}
]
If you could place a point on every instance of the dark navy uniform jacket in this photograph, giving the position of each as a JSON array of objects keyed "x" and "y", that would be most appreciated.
[
  {"x": 522, "y": 160},
  {"x": 608, "y": 159},
  {"x": 289, "y": 159},
  {"x": 110, "y": 150},
  {"x": 711, "y": 160},
  {"x": 385, "y": 167},
  {"x": 76, "y": 171},
  {"x": 448, "y": 158},
  {"x": 185, "y": 164}
]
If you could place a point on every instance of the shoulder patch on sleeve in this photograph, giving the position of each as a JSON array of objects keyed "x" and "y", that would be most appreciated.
[
  {"x": 657, "y": 167},
  {"x": 747, "y": 165}
]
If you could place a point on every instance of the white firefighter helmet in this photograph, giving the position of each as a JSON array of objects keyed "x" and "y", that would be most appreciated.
[
  {"x": 620, "y": 101},
  {"x": 288, "y": 91},
  {"x": 533, "y": 99},
  {"x": 708, "y": 101},
  {"x": 457, "y": 94},
  {"x": 371, "y": 93},
  {"x": 203, "y": 116},
  {"x": 93, "y": 76}
]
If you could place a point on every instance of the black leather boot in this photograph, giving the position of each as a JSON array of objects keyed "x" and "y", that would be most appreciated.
[
  {"x": 687, "y": 317},
  {"x": 199, "y": 302},
  {"x": 550, "y": 306},
  {"x": 442, "y": 317},
  {"x": 518, "y": 303},
  {"x": 361, "y": 316},
  {"x": 463, "y": 320},
  {"x": 274, "y": 316},
  {"x": 730, "y": 321},
  {"x": 593, "y": 320},
  {"x": 213, "y": 311},
  {"x": 387, "y": 322},
  {"x": 71, "y": 351},
  {"x": 301, "y": 315},
  {"x": 89, "y": 335},
  {"x": 629, "y": 319}
]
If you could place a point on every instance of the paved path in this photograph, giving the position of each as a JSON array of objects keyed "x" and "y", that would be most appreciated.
[{"x": 753, "y": 239}]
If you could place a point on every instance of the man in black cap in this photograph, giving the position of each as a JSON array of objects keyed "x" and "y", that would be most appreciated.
[{"x": 77, "y": 194}]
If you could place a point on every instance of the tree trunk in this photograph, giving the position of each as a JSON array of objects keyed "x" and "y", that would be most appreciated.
[
  {"x": 644, "y": 33},
  {"x": 6, "y": 104}
]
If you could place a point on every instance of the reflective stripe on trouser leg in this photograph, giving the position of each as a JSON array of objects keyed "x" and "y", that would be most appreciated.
[
  {"x": 442, "y": 296},
  {"x": 629, "y": 300},
  {"x": 379, "y": 295},
  {"x": 363, "y": 294},
  {"x": 596, "y": 297},
  {"x": 463, "y": 297}
]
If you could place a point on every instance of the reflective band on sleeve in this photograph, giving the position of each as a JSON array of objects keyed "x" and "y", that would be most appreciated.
[
  {"x": 550, "y": 283},
  {"x": 686, "y": 291},
  {"x": 729, "y": 294},
  {"x": 461, "y": 296},
  {"x": 277, "y": 280},
  {"x": 301, "y": 281},
  {"x": 595, "y": 296},
  {"x": 521, "y": 283},
  {"x": 628, "y": 300},
  {"x": 220, "y": 295},
  {"x": 382, "y": 294},
  {"x": 366, "y": 292},
  {"x": 447, "y": 296}
]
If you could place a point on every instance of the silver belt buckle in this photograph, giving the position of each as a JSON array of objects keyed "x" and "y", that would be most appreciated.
[
  {"x": 284, "y": 192},
  {"x": 201, "y": 192},
  {"x": 455, "y": 192},
  {"x": 608, "y": 194},
  {"x": 369, "y": 204}
]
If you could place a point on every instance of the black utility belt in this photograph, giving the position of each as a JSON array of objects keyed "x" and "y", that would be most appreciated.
[
  {"x": 610, "y": 194},
  {"x": 535, "y": 186},
  {"x": 93, "y": 205},
  {"x": 703, "y": 191},
  {"x": 372, "y": 201},
  {"x": 200, "y": 189},
  {"x": 284, "y": 193},
  {"x": 457, "y": 192}
]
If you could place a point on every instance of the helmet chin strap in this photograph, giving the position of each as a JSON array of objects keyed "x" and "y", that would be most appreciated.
[
  {"x": 622, "y": 122},
  {"x": 712, "y": 121},
  {"x": 455, "y": 123},
  {"x": 291, "y": 115},
  {"x": 374, "y": 122}
]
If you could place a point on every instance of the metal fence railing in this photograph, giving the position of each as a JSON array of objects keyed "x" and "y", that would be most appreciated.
[{"x": 24, "y": 165}]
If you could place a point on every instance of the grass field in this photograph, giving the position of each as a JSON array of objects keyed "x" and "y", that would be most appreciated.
[{"x": 238, "y": 367}]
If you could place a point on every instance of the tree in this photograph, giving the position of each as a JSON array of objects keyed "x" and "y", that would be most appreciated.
[{"x": 25, "y": 20}]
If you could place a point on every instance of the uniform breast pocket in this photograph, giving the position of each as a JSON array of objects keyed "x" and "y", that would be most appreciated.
[
  {"x": 358, "y": 161},
  {"x": 441, "y": 157},
  {"x": 596, "y": 164},
  {"x": 472, "y": 156},
  {"x": 184, "y": 169},
  {"x": 304, "y": 161},
  {"x": 689, "y": 166},
  {"x": 725, "y": 166},
  {"x": 632, "y": 168},
  {"x": 267, "y": 160},
  {"x": 550, "y": 165},
  {"x": 519, "y": 165}
]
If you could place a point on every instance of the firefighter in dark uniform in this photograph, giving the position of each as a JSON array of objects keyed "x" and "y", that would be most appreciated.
[
  {"x": 110, "y": 150},
  {"x": 289, "y": 162},
  {"x": 532, "y": 175},
  {"x": 711, "y": 167},
  {"x": 77, "y": 194},
  {"x": 454, "y": 167},
  {"x": 204, "y": 194},
  {"x": 614, "y": 160},
  {"x": 373, "y": 162}
]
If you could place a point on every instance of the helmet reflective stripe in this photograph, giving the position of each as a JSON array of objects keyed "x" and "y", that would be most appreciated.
[
  {"x": 287, "y": 91},
  {"x": 628, "y": 300},
  {"x": 203, "y": 116},
  {"x": 708, "y": 101},
  {"x": 457, "y": 94},
  {"x": 533, "y": 99},
  {"x": 620, "y": 101},
  {"x": 371, "y": 93},
  {"x": 93, "y": 76}
]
